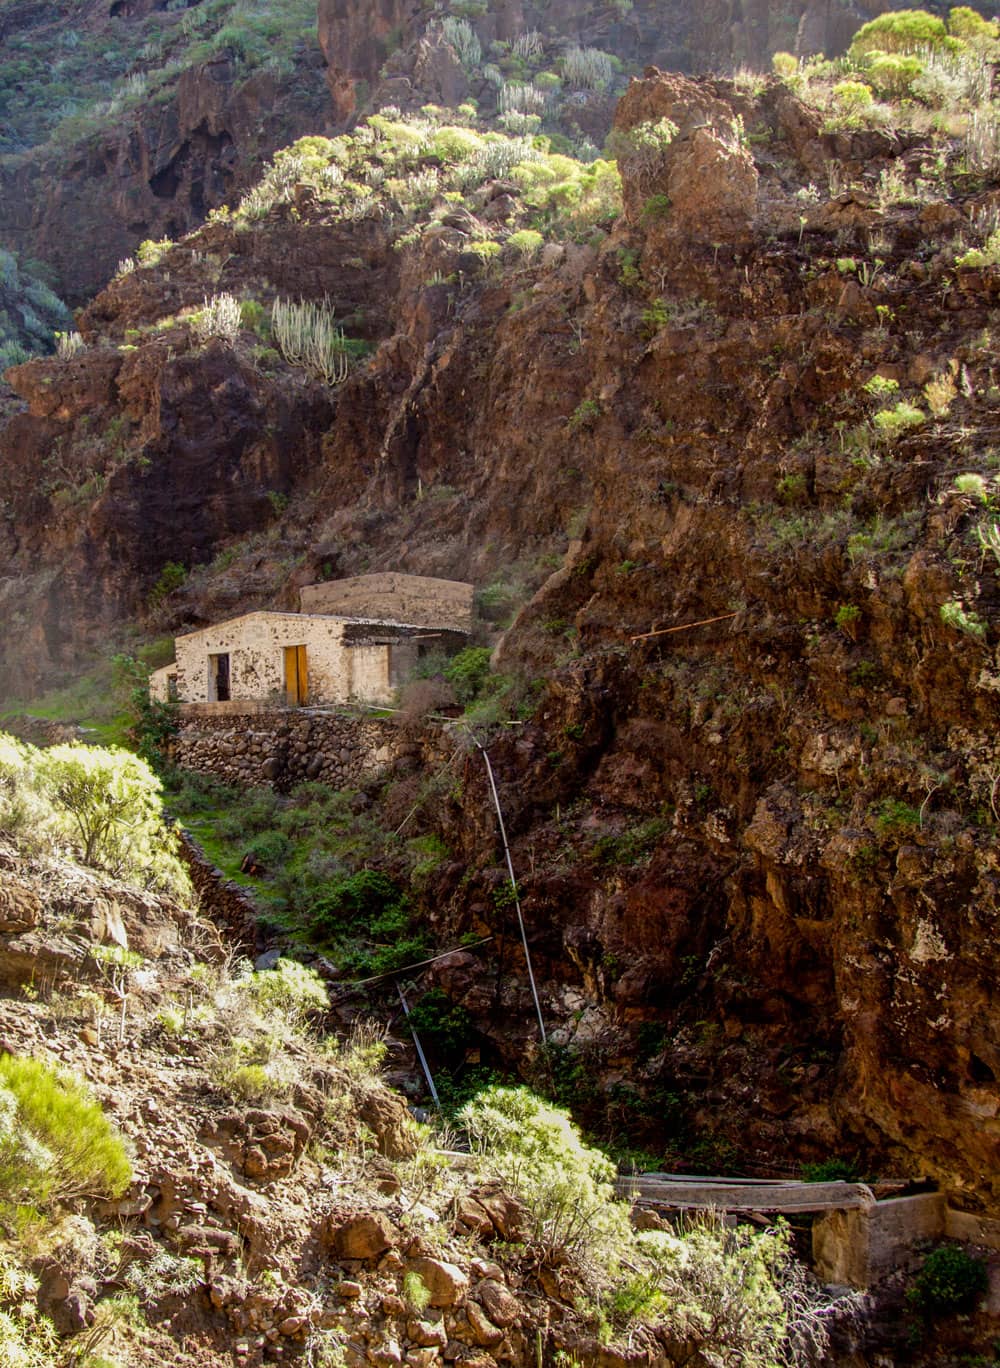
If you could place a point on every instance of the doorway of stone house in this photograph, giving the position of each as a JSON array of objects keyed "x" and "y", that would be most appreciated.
[
  {"x": 218, "y": 677},
  {"x": 296, "y": 676}
]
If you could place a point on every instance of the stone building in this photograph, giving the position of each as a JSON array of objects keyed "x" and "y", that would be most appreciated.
[{"x": 355, "y": 640}]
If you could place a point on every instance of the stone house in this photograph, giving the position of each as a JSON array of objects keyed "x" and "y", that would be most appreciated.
[{"x": 355, "y": 640}]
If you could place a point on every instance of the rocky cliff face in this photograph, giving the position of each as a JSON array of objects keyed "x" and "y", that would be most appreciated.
[
  {"x": 82, "y": 199},
  {"x": 758, "y": 851},
  {"x": 721, "y": 35}
]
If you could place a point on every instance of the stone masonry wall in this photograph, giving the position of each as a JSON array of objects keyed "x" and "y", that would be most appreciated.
[
  {"x": 391, "y": 597},
  {"x": 286, "y": 746}
]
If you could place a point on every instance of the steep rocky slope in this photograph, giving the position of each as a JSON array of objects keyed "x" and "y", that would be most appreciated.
[
  {"x": 758, "y": 856},
  {"x": 212, "y": 1181},
  {"x": 131, "y": 121}
]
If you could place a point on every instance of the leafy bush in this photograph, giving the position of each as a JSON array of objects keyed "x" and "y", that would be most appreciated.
[
  {"x": 109, "y": 801},
  {"x": 894, "y": 422},
  {"x": 467, "y": 672},
  {"x": 892, "y": 73},
  {"x": 899, "y": 31},
  {"x": 565, "y": 1184},
  {"x": 355, "y": 901},
  {"x": 831, "y": 1170},
  {"x": 55, "y": 1141},
  {"x": 444, "y": 1024},
  {"x": 526, "y": 241},
  {"x": 852, "y": 95},
  {"x": 741, "y": 1294},
  {"x": 290, "y": 989},
  {"x": 954, "y": 614},
  {"x": 950, "y": 1279}
]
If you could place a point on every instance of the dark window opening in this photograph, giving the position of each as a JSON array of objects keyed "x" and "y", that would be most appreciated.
[{"x": 218, "y": 677}]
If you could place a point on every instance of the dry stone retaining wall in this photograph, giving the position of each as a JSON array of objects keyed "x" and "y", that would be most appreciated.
[{"x": 287, "y": 746}]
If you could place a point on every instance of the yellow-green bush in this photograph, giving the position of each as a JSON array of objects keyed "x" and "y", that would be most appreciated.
[
  {"x": 55, "y": 1141},
  {"x": 103, "y": 802},
  {"x": 900, "y": 31},
  {"x": 108, "y": 801}
]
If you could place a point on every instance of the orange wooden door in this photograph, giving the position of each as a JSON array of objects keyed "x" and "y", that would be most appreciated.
[{"x": 296, "y": 675}]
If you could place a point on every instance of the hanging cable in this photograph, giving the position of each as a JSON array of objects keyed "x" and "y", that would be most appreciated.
[
  {"x": 420, "y": 1049},
  {"x": 513, "y": 884}
]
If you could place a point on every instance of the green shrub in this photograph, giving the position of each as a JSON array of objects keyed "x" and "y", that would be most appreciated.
[
  {"x": 852, "y": 95},
  {"x": 954, "y": 614},
  {"x": 891, "y": 423},
  {"x": 446, "y": 1025},
  {"x": 950, "y": 1279},
  {"x": 355, "y": 901},
  {"x": 171, "y": 577},
  {"x": 55, "y": 1141},
  {"x": 565, "y": 1184},
  {"x": 656, "y": 207},
  {"x": 289, "y": 989},
  {"x": 899, "y": 31},
  {"x": 832, "y": 1171},
  {"x": 526, "y": 241},
  {"x": 109, "y": 802},
  {"x": 467, "y": 673},
  {"x": 892, "y": 74},
  {"x": 415, "y": 1292}
]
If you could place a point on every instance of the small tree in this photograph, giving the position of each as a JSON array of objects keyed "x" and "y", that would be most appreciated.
[{"x": 110, "y": 800}]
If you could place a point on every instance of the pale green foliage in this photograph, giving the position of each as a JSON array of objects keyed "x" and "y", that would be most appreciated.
[
  {"x": 106, "y": 803},
  {"x": 164, "y": 1275},
  {"x": 852, "y": 95},
  {"x": 262, "y": 1014},
  {"x": 308, "y": 336},
  {"x": 736, "y": 1297},
  {"x": 565, "y": 1185},
  {"x": 68, "y": 344},
  {"x": 290, "y": 989},
  {"x": 894, "y": 422},
  {"x": 954, "y": 614},
  {"x": 900, "y": 31},
  {"x": 220, "y": 317},
  {"x": 587, "y": 68},
  {"x": 55, "y": 1141},
  {"x": 462, "y": 37},
  {"x": 526, "y": 241},
  {"x": 569, "y": 192},
  {"x": 415, "y": 1292},
  {"x": 973, "y": 486},
  {"x": 988, "y": 536},
  {"x": 150, "y": 253},
  {"x": 109, "y": 803},
  {"x": 25, "y": 814},
  {"x": 27, "y": 1340},
  {"x": 738, "y": 1294}
]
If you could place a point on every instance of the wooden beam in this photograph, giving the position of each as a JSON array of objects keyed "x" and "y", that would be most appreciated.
[{"x": 747, "y": 1196}]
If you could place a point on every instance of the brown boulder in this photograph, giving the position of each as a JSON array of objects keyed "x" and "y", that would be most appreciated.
[
  {"x": 706, "y": 172},
  {"x": 484, "y": 1332},
  {"x": 445, "y": 1282},
  {"x": 359, "y": 1237},
  {"x": 499, "y": 1302},
  {"x": 390, "y": 1123}
]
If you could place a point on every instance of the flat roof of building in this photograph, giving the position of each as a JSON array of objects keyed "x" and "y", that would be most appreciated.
[{"x": 320, "y": 617}]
